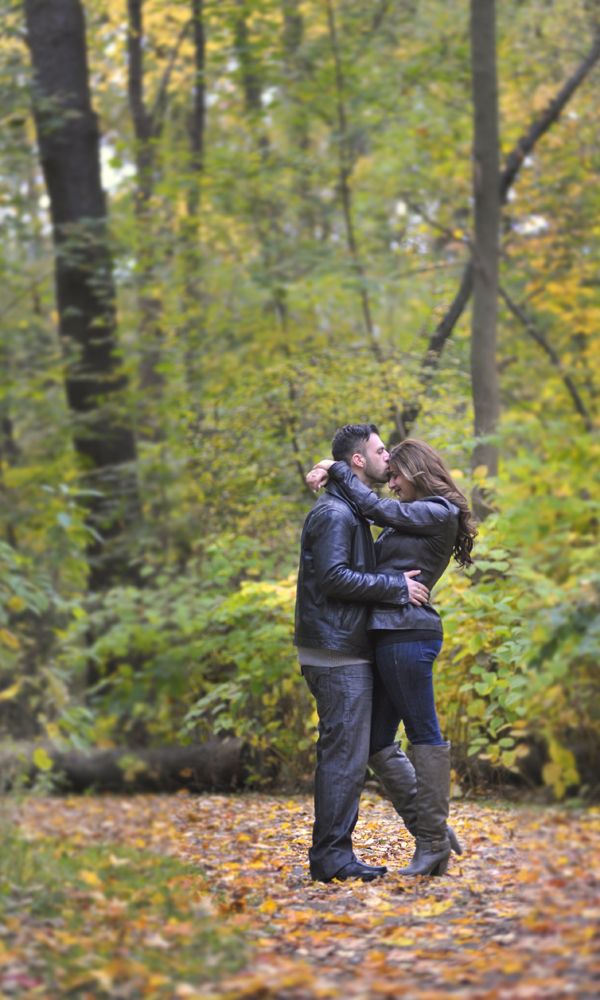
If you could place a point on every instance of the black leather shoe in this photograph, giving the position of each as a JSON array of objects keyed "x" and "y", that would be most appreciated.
[{"x": 358, "y": 869}]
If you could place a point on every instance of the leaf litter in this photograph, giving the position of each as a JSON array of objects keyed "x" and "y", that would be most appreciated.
[{"x": 515, "y": 918}]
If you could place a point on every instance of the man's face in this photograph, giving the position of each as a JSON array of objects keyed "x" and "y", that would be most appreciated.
[{"x": 377, "y": 460}]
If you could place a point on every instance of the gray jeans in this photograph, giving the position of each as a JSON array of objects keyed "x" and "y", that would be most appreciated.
[{"x": 344, "y": 696}]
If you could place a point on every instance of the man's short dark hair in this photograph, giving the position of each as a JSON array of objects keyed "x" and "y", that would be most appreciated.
[{"x": 350, "y": 439}]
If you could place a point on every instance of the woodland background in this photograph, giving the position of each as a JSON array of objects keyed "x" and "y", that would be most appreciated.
[{"x": 300, "y": 199}]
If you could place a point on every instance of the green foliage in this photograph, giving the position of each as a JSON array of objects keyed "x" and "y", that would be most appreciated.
[
  {"x": 196, "y": 657},
  {"x": 292, "y": 284},
  {"x": 265, "y": 701},
  {"x": 192, "y": 654},
  {"x": 522, "y": 636},
  {"x": 29, "y": 606}
]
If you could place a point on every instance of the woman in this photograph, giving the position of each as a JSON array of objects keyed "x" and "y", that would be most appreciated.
[{"x": 428, "y": 524}]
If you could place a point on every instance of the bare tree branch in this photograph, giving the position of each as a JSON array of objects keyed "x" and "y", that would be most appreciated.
[
  {"x": 147, "y": 124},
  {"x": 552, "y": 112},
  {"x": 379, "y": 15},
  {"x": 514, "y": 160},
  {"x": 198, "y": 115},
  {"x": 157, "y": 115},
  {"x": 536, "y": 334}
]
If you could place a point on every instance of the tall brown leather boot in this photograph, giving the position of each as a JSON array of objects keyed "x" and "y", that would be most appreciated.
[
  {"x": 432, "y": 769},
  {"x": 397, "y": 775}
]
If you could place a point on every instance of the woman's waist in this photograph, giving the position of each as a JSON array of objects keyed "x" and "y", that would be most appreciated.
[
  {"x": 393, "y": 636},
  {"x": 394, "y": 560},
  {"x": 408, "y": 616}
]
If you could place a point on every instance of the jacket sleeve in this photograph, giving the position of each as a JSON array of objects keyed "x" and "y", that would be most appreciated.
[
  {"x": 331, "y": 552},
  {"x": 419, "y": 517}
]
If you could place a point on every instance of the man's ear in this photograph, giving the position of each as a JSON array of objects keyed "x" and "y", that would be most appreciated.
[{"x": 358, "y": 460}]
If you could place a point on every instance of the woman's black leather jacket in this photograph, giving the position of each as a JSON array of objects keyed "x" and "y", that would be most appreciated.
[
  {"x": 337, "y": 579},
  {"x": 418, "y": 535}
]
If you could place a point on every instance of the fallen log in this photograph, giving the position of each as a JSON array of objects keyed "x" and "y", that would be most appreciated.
[{"x": 214, "y": 766}]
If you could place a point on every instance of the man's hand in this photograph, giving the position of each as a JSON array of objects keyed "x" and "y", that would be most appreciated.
[{"x": 417, "y": 592}]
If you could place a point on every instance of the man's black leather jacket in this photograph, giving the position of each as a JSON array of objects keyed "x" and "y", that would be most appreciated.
[
  {"x": 418, "y": 535},
  {"x": 337, "y": 579}
]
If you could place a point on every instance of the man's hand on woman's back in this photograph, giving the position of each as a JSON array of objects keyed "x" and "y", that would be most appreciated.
[{"x": 417, "y": 592}]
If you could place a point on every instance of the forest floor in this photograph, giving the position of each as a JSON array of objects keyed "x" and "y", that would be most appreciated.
[{"x": 209, "y": 897}]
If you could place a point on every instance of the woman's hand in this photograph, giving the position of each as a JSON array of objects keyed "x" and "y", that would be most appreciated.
[
  {"x": 318, "y": 475},
  {"x": 317, "y": 478}
]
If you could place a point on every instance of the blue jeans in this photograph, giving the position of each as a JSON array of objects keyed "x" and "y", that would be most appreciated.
[
  {"x": 344, "y": 697},
  {"x": 403, "y": 692}
]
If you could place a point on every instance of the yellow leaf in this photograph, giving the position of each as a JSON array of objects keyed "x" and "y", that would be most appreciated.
[
  {"x": 400, "y": 941},
  {"x": 52, "y": 731},
  {"x": 15, "y": 603},
  {"x": 433, "y": 907},
  {"x": 90, "y": 878},
  {"x": 156, "y": 980},
  {"x": 10, "y": 692},
  {"x": 42, "y": 759},
  {"x": 9, "y": 639}
]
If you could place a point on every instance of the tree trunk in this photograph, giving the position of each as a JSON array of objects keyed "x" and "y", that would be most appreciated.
[
  {"x": 150, "y": 305},
  {"x": 194, "y": 325},
  {"x": 197, "y": 122},
  {"x": 217, "y": 765},
  {"x": 345, "y": 166},
  {"x": 68, "y": 140},
  {"x": 9, "y": 452},
  {"x": 148, "y": 123},
  {"x": 486, "y": 192}
]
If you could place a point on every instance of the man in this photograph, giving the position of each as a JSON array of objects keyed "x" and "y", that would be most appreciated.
[{"x": 336, "y": 582}]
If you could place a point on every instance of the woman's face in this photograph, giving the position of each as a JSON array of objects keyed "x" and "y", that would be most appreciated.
[{"x": 402, "y": 487}]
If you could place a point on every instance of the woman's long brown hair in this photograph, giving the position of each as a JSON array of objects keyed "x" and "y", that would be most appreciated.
[{"x": 430, "y": 476}]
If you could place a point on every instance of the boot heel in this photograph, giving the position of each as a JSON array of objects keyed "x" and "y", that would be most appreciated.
[
  {"x": 441, "y": 868},
  {"x": 455, "y": 844},
  {"x": 427, "y": 861}
]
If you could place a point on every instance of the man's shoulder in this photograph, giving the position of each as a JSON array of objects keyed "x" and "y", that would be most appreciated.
[{"x": 329, "y": 505}]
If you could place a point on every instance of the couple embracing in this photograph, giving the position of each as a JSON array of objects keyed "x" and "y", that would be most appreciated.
[{"x": 367, "y": 638}]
